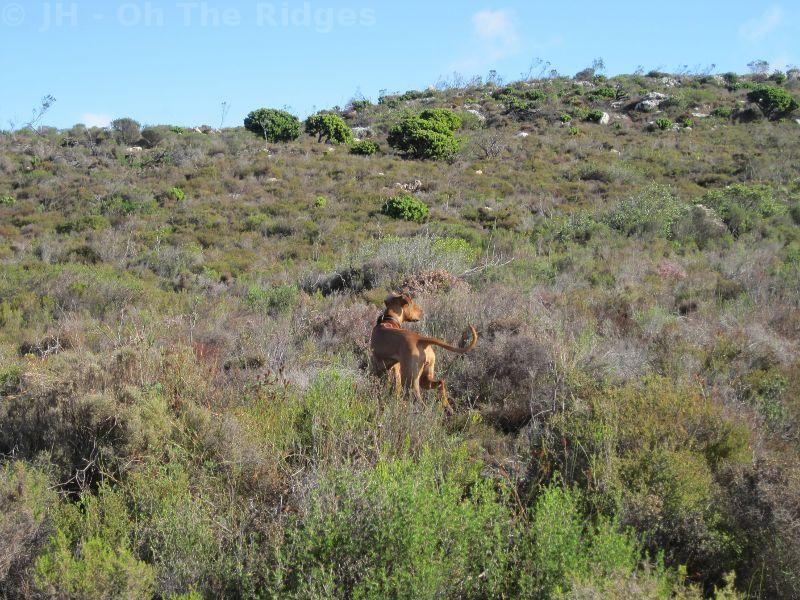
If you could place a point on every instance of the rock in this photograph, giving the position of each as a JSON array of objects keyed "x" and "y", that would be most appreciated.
[
  {"x": 133, "y": 150},
  {"x": 605, "y": 119},
  {"x": 669, "y": 82},
  {"x": 797, "y": 121},
  {"x": 478, "y": 172},
  {"x": 651, "y": 102},
  {"x": 614, "y": 151},
  {"x": 617, "y": 104},
  {"x": 584, "y": 84},
  {"x": 523, "y": 134},
  {"x": 362, "y": 132},
  {"x": 700, "y": 115},
  {"x": 702, "y": 223},
  {"x": 412, "y": 187},
  {"x": 718, "y": 79},
  {"x": 381, "y": 174},
  {"x": 477, "y": 113},
  {"x": 272, "y": 180}
]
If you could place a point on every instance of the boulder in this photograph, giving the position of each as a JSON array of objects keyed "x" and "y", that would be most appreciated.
[
  {"x": 477, "y": 113},
  {"x": 700, "y": 115},
  {"x": 412, "y": 187},
  {"x": 701, "y": 223},
  {"x": 605, "y": 119},
  {"x": 651, "y": 102},
  {"x": 361, "y": 133},
  {"x": 523, "y": 134},
  {"x": 669, "y": 82}
]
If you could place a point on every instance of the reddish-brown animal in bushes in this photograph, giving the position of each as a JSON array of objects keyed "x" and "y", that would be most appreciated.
[{"x": 409, "y": 357}]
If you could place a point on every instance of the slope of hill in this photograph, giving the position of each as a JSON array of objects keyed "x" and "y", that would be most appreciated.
[{"x": 185, "y": 409}]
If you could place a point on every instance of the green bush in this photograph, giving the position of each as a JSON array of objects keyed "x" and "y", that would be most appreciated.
[
  {"x": 603, "y": 92},
  {"x": 565, "y": 118},
  {"x": 594, "y": 116},
  {"x": 405, "y": 207},
  {"x": 8, "y": 200},
  {"x": 654, "y": 210},
  {"x": 152, "y": 136},
  {"x": 90, "y": 554},
  {"x": 773, "y": 102},
  {"x": 723, "y": 112},
  {"x": 278, "y": 299},
  {"x": 320, "y": 202},
  {"x": 561, "y": 551},
  {"x": 177, "y": 194},
  {"x": 329, "y": 127},
  {"x": 427, "y": 136},
  {"x": 742, "y": 206},
  {"x": 403, "y": 530},
  {"x": 273, "y": 125},
  {"x": 127, "y": 130},
  {"x": 664, "y": 124},
  {"x": 364, "y": 148}
]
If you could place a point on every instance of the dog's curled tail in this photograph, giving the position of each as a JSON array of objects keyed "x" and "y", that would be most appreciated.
[{"x": 446, "y": 346}]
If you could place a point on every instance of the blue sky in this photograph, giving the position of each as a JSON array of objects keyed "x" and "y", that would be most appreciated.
[{"x": 176, "y": 61}]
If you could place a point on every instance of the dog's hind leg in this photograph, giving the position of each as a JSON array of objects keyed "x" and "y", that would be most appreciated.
[{"x": 428, "y": 379}]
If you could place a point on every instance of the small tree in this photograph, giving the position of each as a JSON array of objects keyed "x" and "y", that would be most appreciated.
[
  {"x": 774, "y": 102},
  {"x": 152, "y": 136},
  {"x": 128, "y": 131},
  {"x": 273, "y": 125},
  {"x": 329, "y": 127},
  {"x": 427, "y": 136}
]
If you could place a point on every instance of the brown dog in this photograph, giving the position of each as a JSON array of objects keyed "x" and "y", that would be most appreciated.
[{"x": 408, "y": 357}]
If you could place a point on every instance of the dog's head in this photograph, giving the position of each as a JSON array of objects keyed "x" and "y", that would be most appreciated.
[{"x": 403, "y": 304}]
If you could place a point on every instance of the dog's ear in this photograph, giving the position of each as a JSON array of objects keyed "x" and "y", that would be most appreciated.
[{"x": 391, "y": 298}]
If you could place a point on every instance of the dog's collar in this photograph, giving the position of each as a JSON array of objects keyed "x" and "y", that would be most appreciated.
[{"x": 394, "y": 320}]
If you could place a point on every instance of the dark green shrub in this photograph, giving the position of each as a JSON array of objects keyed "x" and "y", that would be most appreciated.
[
  {"x": 595, "y": 116},
  {"x": 773, "y": 102},
  {"x": 330, "y": 128},
  {"x": 360, "y": 105},
  {"x": 86, "y": 223},
  {"x": 273, "y": 125},
  {"x": 427, "y": 136},
  {"x": 127, "y": 130},
  {"x": 364, "y": 148},
  {"x": 405, "y": 207},
  {"x": 152, "y": 136},
  {"x": 565, "y": 118},
  {"x": 723, "y": 112},
  {"x": 664, "y": 124},
  {"x": 778, "y": 77},
  {"x": 603, "y": 93}
]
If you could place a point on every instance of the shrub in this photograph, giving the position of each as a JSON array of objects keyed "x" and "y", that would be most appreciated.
[
  {"x": 595, "y": 116},
  {"x": 128, "y": 131},
  {"x": 664, "y": 124},
  {"x": 773, "y": 102},
  {"x": 723, "y": 112},
  {"x": 273, "y": 125},
  {"x": 427, "y": 136},
  {"x": 360, "y": 105},
  {"x": 405, "y": 207},
  {"x": 743, "y": 206},
  {"x": 405, "y": 529},
  {"x": 329, "y": 127},
  {"x": 152, "y": 136},
  {"x": 177, "y": 194},
  {"x": 8, "y": 200},
  {"x": 603, "y": 92},
  {"x": 573, "y": 131},
  {"x": 565, "y": 118},
  {"x": 278, "y": 299},
  {"x": 654, "y": 210},
  {"x": 320, "y": 202},
  {"x": 364, "y": 148},
  {"x": 90, "y": 555}
]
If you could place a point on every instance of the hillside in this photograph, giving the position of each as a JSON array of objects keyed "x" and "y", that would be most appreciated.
[{"x": 185, "y": 405}]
